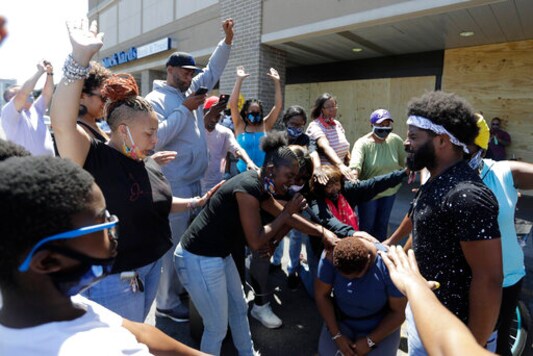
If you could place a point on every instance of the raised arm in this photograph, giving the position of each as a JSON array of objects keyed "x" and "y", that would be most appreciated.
[
  {"x": 234, "y": 101},
  {"x": 48, "y": 89},
  {"x": 72, "y": 141},
  {"x": 26, "y": 89},
  {"x": 441, "y": 332},
  {"x": 270, "y": 120}
]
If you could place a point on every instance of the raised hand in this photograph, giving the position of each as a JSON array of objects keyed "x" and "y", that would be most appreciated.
[
  {"x": 241, "y": 74},
  {"x": 273, "y": 74},
  {"x": 85, "y": 40},
  {"x": 227, "y": 26}
]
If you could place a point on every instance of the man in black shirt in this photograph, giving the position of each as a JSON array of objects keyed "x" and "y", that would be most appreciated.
[{"x": 454, "y": 216}]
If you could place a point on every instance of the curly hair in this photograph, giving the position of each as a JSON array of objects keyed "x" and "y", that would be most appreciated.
[
  {"x": 277, "y": 152},
  {"x": 292, "y": 111},
  {"x": 334, "y": 175},
  {"x": 9, "y": 149},
  {"x": 316, "y": 111},
  {"x": 39, "y": 197},
  {"x": 96, "y": 78},
  {"x": 123, "y": 100},
  {"x": 448, "y": 110},
  {"x": 350, "y": 255}
]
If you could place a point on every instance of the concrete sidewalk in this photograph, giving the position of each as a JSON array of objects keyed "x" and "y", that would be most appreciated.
[{"x": 302, "y": 323}]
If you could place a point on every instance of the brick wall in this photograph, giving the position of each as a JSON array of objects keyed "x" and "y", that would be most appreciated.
[{"x": 248, "y": 52}]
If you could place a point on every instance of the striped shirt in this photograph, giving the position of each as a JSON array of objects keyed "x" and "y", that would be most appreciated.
[{"x": 336, "y": 137}]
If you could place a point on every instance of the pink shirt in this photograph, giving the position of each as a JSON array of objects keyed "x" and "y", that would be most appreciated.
[
  {"x": 220, "y": 141},
  {"x": 335, "y": 135}
]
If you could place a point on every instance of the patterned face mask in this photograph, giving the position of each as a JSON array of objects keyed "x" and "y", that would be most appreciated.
[
  {"x": 295, "y": 131},
  {"x": 133, "y": 152}
]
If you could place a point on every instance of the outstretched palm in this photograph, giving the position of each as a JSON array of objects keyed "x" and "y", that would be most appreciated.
[
  {"x": 86, "y": 41},
  {"x": 241, "y": 73},
  {"x": 273, "y": 74}
]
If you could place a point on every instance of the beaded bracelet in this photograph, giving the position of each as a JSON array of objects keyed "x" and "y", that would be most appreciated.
[{"x": 72, "y": 70}]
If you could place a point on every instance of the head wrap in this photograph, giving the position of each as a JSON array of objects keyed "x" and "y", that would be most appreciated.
[{"x": 426, "y": 124}]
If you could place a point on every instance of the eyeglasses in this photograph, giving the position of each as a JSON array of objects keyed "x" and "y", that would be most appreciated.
[
  {"x": 110, "y": 225},
  {"x": 331, "y": 107}
]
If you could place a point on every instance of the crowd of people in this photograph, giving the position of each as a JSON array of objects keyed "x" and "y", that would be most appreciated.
[{"x": 134, "y": 209}]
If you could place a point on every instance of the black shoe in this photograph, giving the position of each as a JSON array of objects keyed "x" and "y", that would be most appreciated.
[{"x": 293, "y": 281}]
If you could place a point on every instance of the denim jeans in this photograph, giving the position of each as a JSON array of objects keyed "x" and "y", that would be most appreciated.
[
  {"x": 278, "y": 253},
  {"x": 328, "y": 347},
  {"x": 295, "y": 248},
  {"x": 116, "y": 294},
  {"x": 215, "y": 289},
  {"x": 374, "y": 216},
  {"x": 308, "y": 273},
  {"x": 170, "y": 288}
]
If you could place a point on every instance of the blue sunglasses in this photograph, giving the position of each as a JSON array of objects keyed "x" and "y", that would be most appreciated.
[{"x": 111, "y": 225}]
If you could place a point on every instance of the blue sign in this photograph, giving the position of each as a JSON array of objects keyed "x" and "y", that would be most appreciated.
[{"x": 136, "y": 53}]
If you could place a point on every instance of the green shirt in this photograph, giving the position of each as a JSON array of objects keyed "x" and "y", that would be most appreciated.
[{"x": 372, "y": 159}]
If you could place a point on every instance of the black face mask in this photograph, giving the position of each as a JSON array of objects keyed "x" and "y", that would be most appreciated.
[
  {"x": 424, "y": 157},
  {"x": 90, "y": 271},
  {"x": 382, "y": 132}
]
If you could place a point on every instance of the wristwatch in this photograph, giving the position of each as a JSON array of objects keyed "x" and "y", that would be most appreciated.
[{"x": 371, "y": 344}]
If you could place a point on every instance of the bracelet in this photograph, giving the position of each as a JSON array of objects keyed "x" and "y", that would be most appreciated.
[
  {"x": 72, "y": 70},
  {"x": 49, "y": 73},
  {"x": 336, "y": 336},
  {"x": 193, "y": 203}
]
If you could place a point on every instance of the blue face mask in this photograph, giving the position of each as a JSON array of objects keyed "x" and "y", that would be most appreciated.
[
  {"x": 254, "y": 118},
  {"x": 294, "y": 132},
  {"x": 476, "y": 160},
  {"x": 90, "y": 271}
]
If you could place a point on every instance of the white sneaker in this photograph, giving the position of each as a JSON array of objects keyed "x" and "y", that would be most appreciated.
[{"x": 265, "y": 315}]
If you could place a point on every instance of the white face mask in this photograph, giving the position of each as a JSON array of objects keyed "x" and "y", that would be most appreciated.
[{"x": 296, "y": 188}]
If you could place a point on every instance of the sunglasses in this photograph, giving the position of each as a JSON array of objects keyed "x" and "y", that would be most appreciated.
[{"x": 110, "y": 225}]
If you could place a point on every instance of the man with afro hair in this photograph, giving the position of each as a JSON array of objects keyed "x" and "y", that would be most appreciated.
[
  {"x": 456, "y": 237},
  {"x": 57, "y": 238}
]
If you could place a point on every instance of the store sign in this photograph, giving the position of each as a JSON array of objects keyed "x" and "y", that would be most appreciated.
[{"x": 137, "y": 52}]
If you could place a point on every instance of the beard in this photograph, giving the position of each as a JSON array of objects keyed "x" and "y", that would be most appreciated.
[{"x": 424, "y": 157}]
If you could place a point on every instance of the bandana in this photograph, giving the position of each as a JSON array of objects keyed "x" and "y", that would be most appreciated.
[
  {"x": 343, "y": 211},
  {"x": 328, "y": 123},
  {"x": 426, "y": 124}
]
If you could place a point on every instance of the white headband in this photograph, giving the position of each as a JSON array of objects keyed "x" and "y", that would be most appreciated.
[{"x": 426, "y": 124}]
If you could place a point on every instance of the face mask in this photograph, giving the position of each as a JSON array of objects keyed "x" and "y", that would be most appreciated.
[
  {"x": 90, "y": 271},
  {"x": 293, "y": 189},
  {"x": 254, "y": 118},
  {"x": 476, "y": 160},
  {"x": 269, "y": 186},
  {"x": 133, "y": 151},
  {"x": 294, "y": 132},
  {"x": 381, "y": 132}
]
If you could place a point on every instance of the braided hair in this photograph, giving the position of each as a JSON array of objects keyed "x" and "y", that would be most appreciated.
[
  {"x": 277, "y": 151},
  {"x": 123, "y": 100}
]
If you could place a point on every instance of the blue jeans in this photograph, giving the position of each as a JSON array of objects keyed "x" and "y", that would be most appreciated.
[
  {"x": 170, "y": 288},
  {"x": 278, "y": 253},
  {"x": 116, "y": 294},
  {"x": 295, "y": 248},
  {"x": 374, "y": 216},
  {"x": 215, "y": 289},
  {"x": 328, "y": 347},
  {"x": 308, "y": 275}
]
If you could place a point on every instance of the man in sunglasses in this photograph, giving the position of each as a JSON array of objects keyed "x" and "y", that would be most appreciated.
[
  {"x": 57, "y": 240},
  {"x": 22, "y": 117}
]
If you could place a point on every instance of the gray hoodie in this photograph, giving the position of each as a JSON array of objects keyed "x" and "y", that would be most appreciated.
[{"x": 181, "y": 130}]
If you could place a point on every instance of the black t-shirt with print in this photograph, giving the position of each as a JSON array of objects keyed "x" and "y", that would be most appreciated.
[
  {"x": 140, "y": 196},
  {"x": 218, "y": 229},
  {"x": 455, "y": 206}
]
